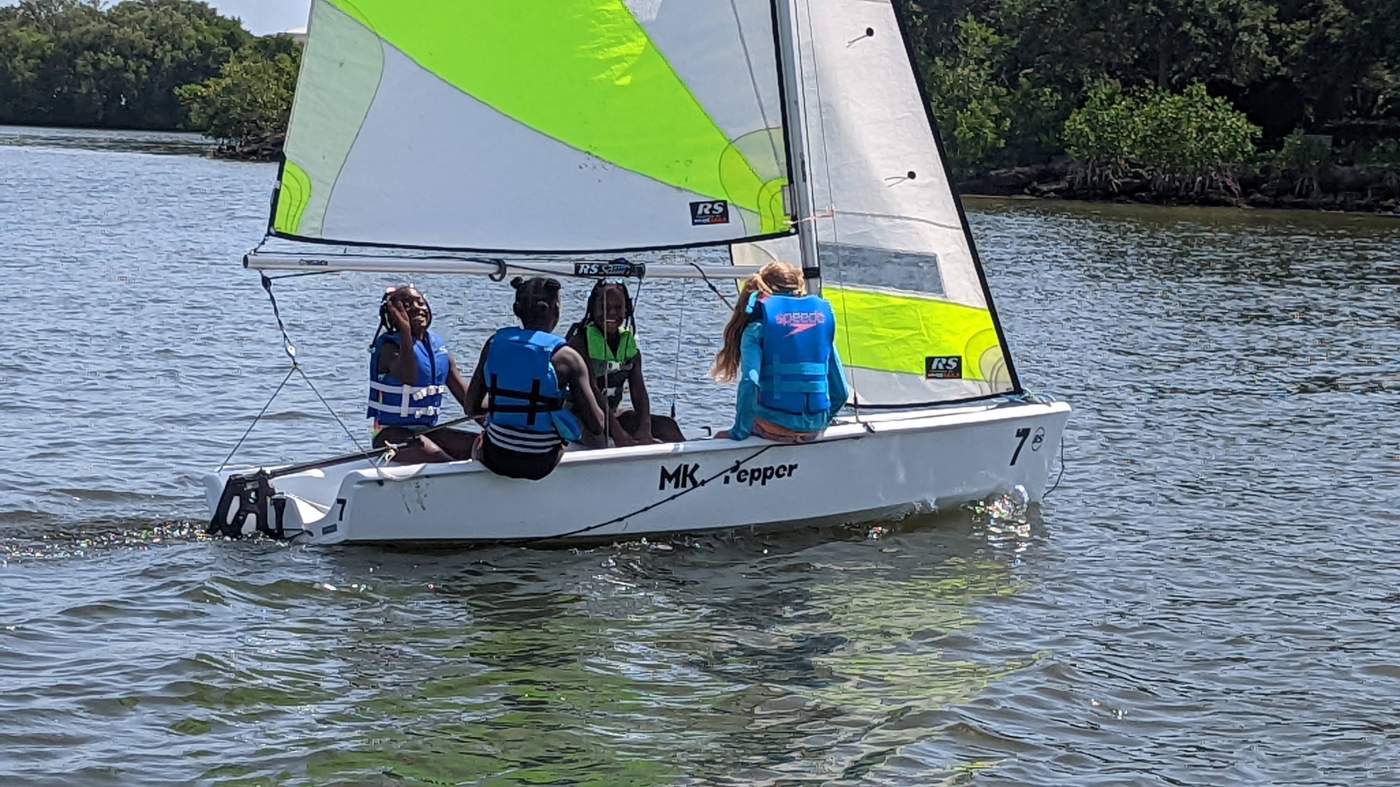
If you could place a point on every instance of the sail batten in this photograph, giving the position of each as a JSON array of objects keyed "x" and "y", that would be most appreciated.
[{"x": 576, "y": 125}]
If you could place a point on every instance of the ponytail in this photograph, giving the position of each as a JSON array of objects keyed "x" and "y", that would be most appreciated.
[{"x": 773, "y": 278}]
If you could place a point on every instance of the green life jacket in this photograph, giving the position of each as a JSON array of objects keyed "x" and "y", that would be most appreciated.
[{"x": 610, "y": 369}]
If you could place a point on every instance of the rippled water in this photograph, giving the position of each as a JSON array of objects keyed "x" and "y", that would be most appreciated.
[{"x": 1212, "y": 596}]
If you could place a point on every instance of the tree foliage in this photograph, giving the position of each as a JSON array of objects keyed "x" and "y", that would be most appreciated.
[
  {"x": 1328, "y": 67},
  {"x": 79, "y": 63},
  {"x": 1186, "y": 142},
  {"x": 1013, "y": 81},
  {"x": 250, "y": 99}
]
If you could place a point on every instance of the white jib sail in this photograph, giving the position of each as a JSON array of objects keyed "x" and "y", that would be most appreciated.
[{"x": 896, "y": 262}]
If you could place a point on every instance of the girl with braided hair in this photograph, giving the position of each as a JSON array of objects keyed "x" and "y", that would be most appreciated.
[
  {"x": 409, "y": 371},
  {"x": 606, "y": 338},
  {"x": 530, "y": 375}
]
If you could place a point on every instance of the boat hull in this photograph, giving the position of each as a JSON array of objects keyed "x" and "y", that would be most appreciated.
[{"x": 880, "y": 467}]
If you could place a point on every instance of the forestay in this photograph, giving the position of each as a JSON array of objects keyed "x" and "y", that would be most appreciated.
[
  {"x": 536, "y": 126},
  {"x": 896, "y": 259}
]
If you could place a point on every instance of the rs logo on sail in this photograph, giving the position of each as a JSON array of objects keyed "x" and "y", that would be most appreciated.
[
  {"x": 684, "y": 476},
  {"x": 711, "y": 212}
]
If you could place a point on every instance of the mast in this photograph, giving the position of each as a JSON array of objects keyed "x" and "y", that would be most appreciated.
[{"x": 795, "y": 138}]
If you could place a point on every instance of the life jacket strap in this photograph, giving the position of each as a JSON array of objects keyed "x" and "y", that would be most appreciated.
[
  {"x": 403, "y": 411},
  {"x": 793, "y": 386},
  {"x": 799, "y": 370},
  {"x": 416, "y": 392},
  {"x": 535, "y": 403}
]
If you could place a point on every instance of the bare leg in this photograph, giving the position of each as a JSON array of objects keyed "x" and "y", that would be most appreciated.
[
  {"x": 662, "y": 428},
  {"x": 418, "y": 450},
  {"x": 455, "y": 443},
  {"x": 666, "y": 429}
]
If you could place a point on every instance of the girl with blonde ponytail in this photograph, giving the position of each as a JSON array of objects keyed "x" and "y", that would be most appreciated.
[{"x": 776, "y": 340}]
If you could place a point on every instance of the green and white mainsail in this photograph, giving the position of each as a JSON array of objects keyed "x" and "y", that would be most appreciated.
[
  {"x": 916, "y": 323},
  {"x": 536, "y": 125},
  {"x": 539, "y": 126}
]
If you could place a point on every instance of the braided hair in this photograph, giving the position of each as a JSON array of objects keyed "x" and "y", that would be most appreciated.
[
  {"x": 597, "y": 296},
  {"x": 535, "y": 297}
]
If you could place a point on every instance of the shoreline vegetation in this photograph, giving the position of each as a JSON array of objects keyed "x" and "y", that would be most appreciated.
[{"x": 1263, "y": 103}]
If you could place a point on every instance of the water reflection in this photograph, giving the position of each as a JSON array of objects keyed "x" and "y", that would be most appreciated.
[
  {"x": 564, "y": 666},
  {"x": 163, "y": 143}
]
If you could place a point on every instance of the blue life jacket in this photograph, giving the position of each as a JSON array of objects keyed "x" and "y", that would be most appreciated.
[
  {"x": 527, "y": 409},
  {"x": 798, "y": 332},
  {"x": 394, "y": 403}
]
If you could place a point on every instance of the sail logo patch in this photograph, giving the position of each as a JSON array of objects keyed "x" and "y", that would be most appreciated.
[
  {"x": 943, "y": 367},
  {"x": 711, "y": 212}
]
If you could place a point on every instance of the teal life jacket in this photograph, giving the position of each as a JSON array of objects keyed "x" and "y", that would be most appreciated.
[{"x": 798, "y": 332}]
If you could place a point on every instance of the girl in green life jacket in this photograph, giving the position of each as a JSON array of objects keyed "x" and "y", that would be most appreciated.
[{"x": 607, "y": 339}]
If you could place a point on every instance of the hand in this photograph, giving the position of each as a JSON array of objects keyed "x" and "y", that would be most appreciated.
[{"x": 399, "y": 318}]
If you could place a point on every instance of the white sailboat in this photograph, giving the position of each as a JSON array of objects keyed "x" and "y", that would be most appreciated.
[{"x": 427, "y": 136}]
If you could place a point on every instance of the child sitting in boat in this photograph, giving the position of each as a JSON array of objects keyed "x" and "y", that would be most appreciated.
[
  {"x": 607, "y": 340},
  {"x": 780, "y": 346},
  {"x": 401, "y": 410},
  {"x": 529, "y": 374}
]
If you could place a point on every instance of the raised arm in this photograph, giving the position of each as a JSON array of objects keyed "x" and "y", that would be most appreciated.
[{"x": 400, "y": 360}]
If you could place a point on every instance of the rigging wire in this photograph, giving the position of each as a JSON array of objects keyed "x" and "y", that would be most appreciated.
[
  {"x": 676, "y": 377},
  {"x": 289, "y": 348},
  {"x": 331, "y": 410},
  {"x": 299, "y": 275},
  {"x": 261, "y": 413}
]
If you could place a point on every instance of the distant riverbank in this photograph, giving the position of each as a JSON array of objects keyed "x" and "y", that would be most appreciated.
[{"x": 1357, "y": 189}]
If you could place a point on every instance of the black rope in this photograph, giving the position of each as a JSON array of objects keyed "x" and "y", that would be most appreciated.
[
  {"x": 287, "y": 346},
  {"x": 580, "y": 531},
  {"x": 299, "y": 275},
  {"x": 706, "y": 277}
]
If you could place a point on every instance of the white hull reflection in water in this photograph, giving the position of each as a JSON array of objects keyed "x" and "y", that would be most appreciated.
[{"x": 869, "y": 469}]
